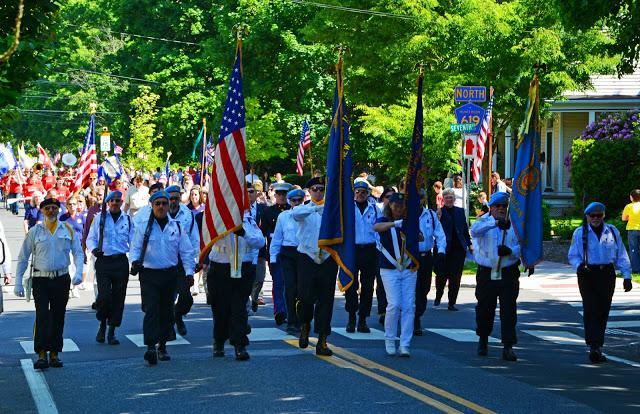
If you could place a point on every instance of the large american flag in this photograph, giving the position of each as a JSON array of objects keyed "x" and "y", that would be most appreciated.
[
  {"x": 305, "y": 142},
  {"x": 228, "y": 198},
  {"x": 485, "y": 130},
  {"x": 88, "y": 159}
]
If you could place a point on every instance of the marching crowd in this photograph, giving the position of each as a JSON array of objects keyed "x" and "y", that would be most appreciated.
[{"x": 150, "y": 226}]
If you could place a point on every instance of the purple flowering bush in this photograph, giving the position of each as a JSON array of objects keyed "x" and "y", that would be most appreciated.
[{"x": 605, "y": 161}]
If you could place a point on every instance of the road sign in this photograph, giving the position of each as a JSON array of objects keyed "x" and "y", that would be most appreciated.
[
  {"x": 470, "y": 146},
  {"x": 470, "y": 94},
  {"x": 105, "y": 141},
  {"x": 462, "y": 127},
  {"x": 470, "y": 114}
]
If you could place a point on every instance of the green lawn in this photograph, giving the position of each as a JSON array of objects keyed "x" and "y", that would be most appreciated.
[
  {"x": 469, "y": 268},
  {"x": 635, "y": 277}
]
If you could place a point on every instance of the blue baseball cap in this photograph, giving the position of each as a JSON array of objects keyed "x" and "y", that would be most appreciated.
[
  {"x": 295, "y": 193},
  {"x": 397, "y": 198},
  {"x": 113, "y": 194},
  {"x": 159, "y": 194},
  {"x": 173, "y": 189},
  {"x": 499, "y": 197},
  {"x": 595, "y": 207},
  {"x": 361, "y": 184}
]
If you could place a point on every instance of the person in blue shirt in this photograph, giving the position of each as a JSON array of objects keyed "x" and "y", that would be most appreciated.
[
  {"x": 366, "y": 214},
  {"x": 398, "y": 274},
  {"x": 497, "y": 253},
  {"x": 32, "y": 213},
  {"x": 595, "y": 253}
]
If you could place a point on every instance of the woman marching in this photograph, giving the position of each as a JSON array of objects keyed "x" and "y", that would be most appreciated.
[{"x": 397, "y": 276}]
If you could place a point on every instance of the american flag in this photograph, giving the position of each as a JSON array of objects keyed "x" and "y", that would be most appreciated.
[
  {"x": 43, "y": 157},
  {"x": 485, "y": 130},
  {"x": 228, "y": 198},
  {"x": 88, "y": 159},
  {"x": 117, "y": 149},
  {"x": 305, "y": 142}
]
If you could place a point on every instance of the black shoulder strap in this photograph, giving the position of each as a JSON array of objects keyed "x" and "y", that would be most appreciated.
[
  {"x": 147, "y": 234},
  {"x": 129, "y": 222},
  {"x": 433, "y": 220},
  {"x": 585, "y": 241},
  {"x": 193, "y": 219},
  {"x": 3, "y": 252}
]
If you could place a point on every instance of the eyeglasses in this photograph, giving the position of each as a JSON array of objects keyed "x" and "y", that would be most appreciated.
[
  {"x": 296, "y": 200},
  {"x": 116, "y": 200},
  {"x": 174, "y": 198},
  {"x": 47, "y": 208},
  {"x": 501, "y": 205},
  {"x": 160, "y": 203},
  {"x": 596, "y": 215},
  {"x": 317, "y": 189}
]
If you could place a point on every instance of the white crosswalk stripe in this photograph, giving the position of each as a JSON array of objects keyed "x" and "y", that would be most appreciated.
[
  {"x": 557, "y": 337},
  {"x": 67, "y": 346},
  {"x": 375, "y": 335},
  {"x": 461, "y": 335},
  {"x": 138, "y": 340}
]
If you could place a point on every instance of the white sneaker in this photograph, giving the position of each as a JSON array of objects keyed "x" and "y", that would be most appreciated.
[
  {"x": 390, "y": 346},
  {"x": 403, "y": 351}
]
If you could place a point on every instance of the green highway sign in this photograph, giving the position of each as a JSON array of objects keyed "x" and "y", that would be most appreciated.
[{"x": 462, "y": 127}]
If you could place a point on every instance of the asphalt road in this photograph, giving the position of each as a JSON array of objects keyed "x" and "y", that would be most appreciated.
[{"x": 443, "y": 374}]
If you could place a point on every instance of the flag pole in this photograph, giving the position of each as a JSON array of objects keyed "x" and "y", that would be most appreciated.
[
  {"x": 202, "y": 153},
  {"x": 490, "y": 167}
]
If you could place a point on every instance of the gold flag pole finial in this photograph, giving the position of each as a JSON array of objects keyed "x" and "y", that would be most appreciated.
[
  {"x": 93, "y": 107},
  {"x": 240, "y": 31}
]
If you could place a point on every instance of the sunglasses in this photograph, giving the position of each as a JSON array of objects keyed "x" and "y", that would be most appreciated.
[
  {"x": 501, "y": 205},
  {"x": 596, "y": 215},
  {"x": 116, "y": 200},
  {"x": 174, "y": 198},
  {"x": 160, "y": 203},
  {"x": 281, "y": 192},
  {"x": 51, "y": 208},
  {"x": 296, "y": 200},
  {"x": 251, "y": 191},
  {"x": 317, "y": 189}
]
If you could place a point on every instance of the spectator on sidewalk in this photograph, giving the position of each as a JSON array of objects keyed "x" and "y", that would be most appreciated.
[{"x": 631, "y": 214}]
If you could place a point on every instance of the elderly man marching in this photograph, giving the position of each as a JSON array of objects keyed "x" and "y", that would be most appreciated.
[
  {"x": 497, "y": 253},
  {"x": 156, "y": 249},
  {"x": 187, "y": 220},
  {"x": 109, "y": 238},
  {"x": 49, "y": 243},
  {"x": 232, "y": 270},
  {"x": 596, "y": 250}
]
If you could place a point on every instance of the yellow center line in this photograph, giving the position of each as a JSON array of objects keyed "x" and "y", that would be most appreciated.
[
  {"x": 366, "y": 363},
  {"x": 339, "y": 362}
]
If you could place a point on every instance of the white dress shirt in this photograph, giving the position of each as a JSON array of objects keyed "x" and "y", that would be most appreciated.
[
  {"x": 163, "y": 247},
  {"x": 117, "y": 236},
  {"x": 285, "y": 234},
  {"x": 310, "y": 218},
  {"x": 487, "y": 237},
  {"x": 431, "y": 229},
  {"x": 364, "y": 223},
  {"x": 247, "y": 246},
  {"x": 607, "y": 250}
]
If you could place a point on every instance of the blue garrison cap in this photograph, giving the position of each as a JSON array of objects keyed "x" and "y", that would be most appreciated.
[
  {"x": 112, "y": 195},
  {"x": 295, "y": 193},
  {"x": 159, "y": 194},
  {"x": 361, "y": 184},
  {"x": 499, "y": 197},
  {"x": 282, "y": 187},
  {"x": 397, "y": 198},
  {"x": 173, "y": 189},
  {"x": 595, "y": 207}
]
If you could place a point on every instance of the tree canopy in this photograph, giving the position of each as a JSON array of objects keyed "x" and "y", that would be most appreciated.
[{"x": 175, "y": 59}]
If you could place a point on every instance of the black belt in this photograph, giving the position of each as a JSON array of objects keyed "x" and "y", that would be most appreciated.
[
  {"x": 608, "y": 266},
  {"x": 365, "y": 246},
  {"x": 485, "y": 268},
  {"x": 115, "y": 256}
]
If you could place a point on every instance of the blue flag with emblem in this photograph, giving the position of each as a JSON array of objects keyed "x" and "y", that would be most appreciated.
[
  {"x": 414, "y": 184},
  {"x": 525, "y": 209},
  {"x": 337, "y": 231}
]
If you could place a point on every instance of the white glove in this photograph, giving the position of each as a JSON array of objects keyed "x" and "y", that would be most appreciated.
[
  {"x": 18, "y": 290},
  {"x": 76, "y": 280},
  {"x": 398, "y": 223}
]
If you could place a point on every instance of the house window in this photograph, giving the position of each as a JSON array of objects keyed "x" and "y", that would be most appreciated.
[{"x": 548, "y": 160}]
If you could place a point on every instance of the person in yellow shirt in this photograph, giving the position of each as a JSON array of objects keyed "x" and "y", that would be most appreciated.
[{"x": 631, "y": 214}]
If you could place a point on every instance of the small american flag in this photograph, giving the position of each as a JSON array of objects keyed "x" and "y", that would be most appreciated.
[
  {"x": 228, "y": 198},
  {"x": 117, "y": 149},
  {"x": 305, "y": 142},
  {"x": 88, "y": 159},
  {"x": 485, "y": 130}
]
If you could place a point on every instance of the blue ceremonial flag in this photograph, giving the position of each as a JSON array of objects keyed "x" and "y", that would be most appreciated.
[
  {"x": 526, "y": 198},
  {"x": 167, "y": 169},
  {"x": 414, "y": 184},
  {"x": 337, "y": 231},
  {"x": 7, "y": 159}
]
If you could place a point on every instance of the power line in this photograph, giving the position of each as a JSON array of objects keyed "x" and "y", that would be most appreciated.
[
  {"x": 353, "y": 10},
  {"x": 161, "y": 39},
  {"x": 111, "y": 75},
  {"x": 59, "y": 111}
]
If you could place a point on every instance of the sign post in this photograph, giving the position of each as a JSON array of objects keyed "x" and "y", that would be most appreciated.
[{"x": 105, "y": 140}]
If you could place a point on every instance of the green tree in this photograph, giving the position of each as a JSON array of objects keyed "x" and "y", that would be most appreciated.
[{"x": 144, "y": 153}]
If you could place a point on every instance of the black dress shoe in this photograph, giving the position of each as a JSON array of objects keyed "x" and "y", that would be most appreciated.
[
  {"x": 483, "y": 347},
  {"x": 163, "y": 355},
  {"x": 436, "y": 302},
  {"x": 281, "y": 317},
  {"x": 508, "y": 354},
  {"x": 41, "y": 363},
  {"x": 54, "y": 361},
  {"x": 241, "y": 353},
  {"x": 180, "y": 326},
  {"x": 351, "y": 326},
  {"x": 417, "y": 327},
  {"x": 151, "y": 356},
  {"x": 102, "y": 331},
  {"x": 596, "y": 356},
  {"x": 321, "y": 348},
  {"x": 452, "y": 308},
  {"x": 218, "y": 349},
  {"x": 112, "y": 340},
  {"x": 362, "y": 326}
]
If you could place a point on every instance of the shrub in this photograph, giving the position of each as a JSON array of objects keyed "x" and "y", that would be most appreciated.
[
  {"x": 546, "y": 221},
  {"x": 605, "y": 161}
]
